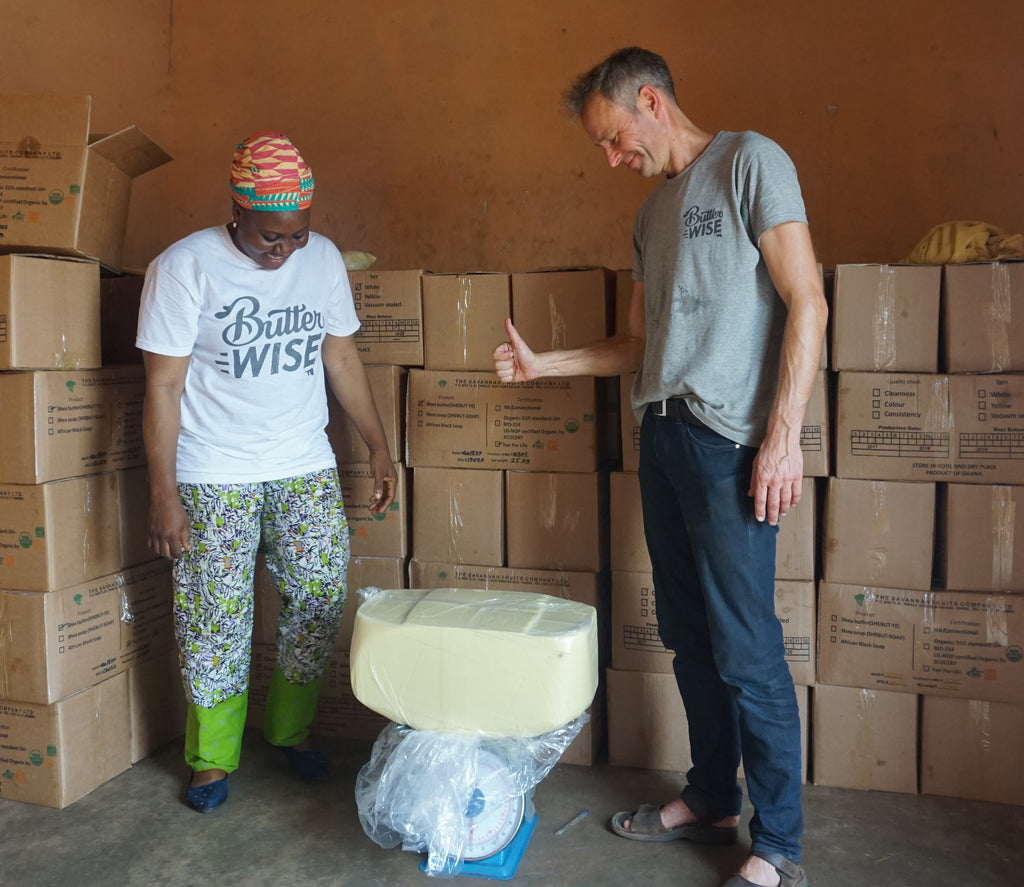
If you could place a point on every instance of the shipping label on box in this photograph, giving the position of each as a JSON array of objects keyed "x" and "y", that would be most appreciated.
[
  {"x": 926, "y": 426},
  {"x": 58, "y": 424},
  {"x": 943, "y": 643},
  {"x": 390, "y": 309},
  {"x": 387, "y": 384},
  {"x": 374, "y": 535},
  {"x": 464, "y": 319},
  {"x": 471, "y": 420}
]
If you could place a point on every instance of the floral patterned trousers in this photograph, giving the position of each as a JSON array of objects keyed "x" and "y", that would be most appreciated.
[{"x": 301, "y": 524}]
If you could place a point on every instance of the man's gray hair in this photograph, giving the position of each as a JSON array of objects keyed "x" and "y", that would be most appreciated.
[{"x": 619, "y": 79}]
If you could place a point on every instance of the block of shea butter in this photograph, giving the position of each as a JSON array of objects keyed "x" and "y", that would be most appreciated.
[{"x": 462, "y": 660}]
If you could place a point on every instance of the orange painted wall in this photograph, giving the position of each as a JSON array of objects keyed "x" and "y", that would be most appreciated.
[{"x": 436, "y": 134}]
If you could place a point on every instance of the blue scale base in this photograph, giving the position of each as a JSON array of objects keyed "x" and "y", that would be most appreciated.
[{"x": 502, "y": 865}]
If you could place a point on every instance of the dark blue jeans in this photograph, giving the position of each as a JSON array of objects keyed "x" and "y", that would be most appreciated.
[{"x": 714, "y": 585}]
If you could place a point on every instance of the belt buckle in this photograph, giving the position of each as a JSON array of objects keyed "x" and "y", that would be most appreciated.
[{"x": 664, "y": 408}]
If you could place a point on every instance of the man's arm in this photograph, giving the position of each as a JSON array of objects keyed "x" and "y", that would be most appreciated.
[
  {"x": 776, "y": 482},
  {"x": 621, "y": 353},
  {"x": 347, "y": 378}
]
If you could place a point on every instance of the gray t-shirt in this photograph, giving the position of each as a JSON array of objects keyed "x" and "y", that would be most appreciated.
[{"x": 714, "y": 318}]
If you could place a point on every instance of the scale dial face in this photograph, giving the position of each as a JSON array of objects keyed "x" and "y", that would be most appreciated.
[{"x": 495, "y": 810}]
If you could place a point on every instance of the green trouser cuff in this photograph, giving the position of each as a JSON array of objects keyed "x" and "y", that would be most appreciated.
[
  {"x": 213, "y": 736},
  {"x": 290, "y": 710}
]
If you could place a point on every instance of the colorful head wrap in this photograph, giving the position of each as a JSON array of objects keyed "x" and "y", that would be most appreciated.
[{"x": 269, "y": 174}]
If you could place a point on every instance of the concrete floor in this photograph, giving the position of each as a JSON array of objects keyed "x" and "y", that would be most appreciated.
[{"x": 276, "y": 830}]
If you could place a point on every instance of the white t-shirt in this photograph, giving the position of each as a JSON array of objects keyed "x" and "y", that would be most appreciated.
[{"x": 254, "y": 406}]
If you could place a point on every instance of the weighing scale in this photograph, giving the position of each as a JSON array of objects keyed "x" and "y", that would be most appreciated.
[{"x": 501, "y": 821}]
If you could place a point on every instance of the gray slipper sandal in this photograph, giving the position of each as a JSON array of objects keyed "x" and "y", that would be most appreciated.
[
  {"x": 645, "y": 825},
  {"x": 791, "y": 874}
]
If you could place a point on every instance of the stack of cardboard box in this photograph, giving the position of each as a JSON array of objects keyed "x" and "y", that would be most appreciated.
[
  {"x": 920, "y": 632},
  {"x": 510, "y": 481},
  {"x": 85, "y": 626}
]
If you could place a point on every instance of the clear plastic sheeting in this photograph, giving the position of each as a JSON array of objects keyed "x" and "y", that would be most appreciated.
[{"x": 427, "y": 790}]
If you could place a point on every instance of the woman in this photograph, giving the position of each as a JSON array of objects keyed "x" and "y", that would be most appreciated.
[{"x": 239, "y": 326}]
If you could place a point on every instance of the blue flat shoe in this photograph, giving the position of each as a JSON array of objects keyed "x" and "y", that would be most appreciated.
[
  {"x": 309, "y": 764},
  {"x": 204, "y": 798}
]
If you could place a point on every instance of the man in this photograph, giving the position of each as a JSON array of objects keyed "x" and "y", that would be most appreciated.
[{"x": 726, "y": 323}]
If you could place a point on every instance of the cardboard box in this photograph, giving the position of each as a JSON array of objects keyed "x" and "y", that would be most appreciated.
[
  {"x": 459, "y": 516},
  {"x": 815, "y": 433},
  {"x": 590, "y": 746},
  {"x": 120, "y": 298},
  {"x": 60, "y": 533},
  {"x": 56, "y": 643},
  {"x": 557, "y": 520},
  {"x": 865, "y": 739},
  {"x": 363, "y": 572},
  {"x": 69, "y": 531},
  {"x": 65, "y": 189},
  {"x": 374, "y": 535},
  {"x": 387, "y": 383},
  {"x": 930, "y": 427},
  {"x": 886, "y": 317},
  {"x": 628, "y": 544},
  {"x": 981, "y": 542},
  {"x": 147, "y": 622},
  {"x": 52, "y": 755},
  {"x": 629, "y": 426},
  {"x": 49, "y": 313},
  {"x": 646, "y": 722},
  {"x": 623, "y": 296},
  {"x": 471, "y": 420},
  {"x": 464, "y": 320},
  {"x": 133, "y": 511},
  {"x": 983, "y": 318},
  {"x": 879, "y": 532},
  {"x": 941, "y": 643},
  {"x": 563, "y": 308},
  {"x": 637, "y": 646},
  {"x": 390, "y": 309},
  {"x": 156, "y": 704},
  {"x": 58, "y": 424},
  {"x": 796, "y": 546},
  {"x": 647, "y": 725},
  {"x": 339, "y": 715},
  {"x": 815, "y": 437},
  {"x": 971, "y": 749},
  {"x": 583, "y": 587}
]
